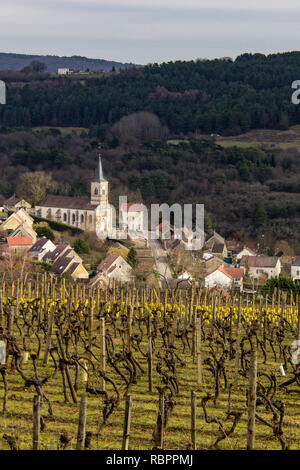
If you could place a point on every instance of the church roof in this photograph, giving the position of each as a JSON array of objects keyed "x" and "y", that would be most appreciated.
[
  {"x": 67, "y": 202},
  {"x": 100, "y": 177}
]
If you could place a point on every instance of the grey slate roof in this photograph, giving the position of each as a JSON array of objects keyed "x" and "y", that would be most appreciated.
[
  {"x": 297, "y": 262},
  {"x": 67, "y": 202}
]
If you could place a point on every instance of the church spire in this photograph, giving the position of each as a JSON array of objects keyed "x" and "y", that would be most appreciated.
[{"x": 100, "y": 176}]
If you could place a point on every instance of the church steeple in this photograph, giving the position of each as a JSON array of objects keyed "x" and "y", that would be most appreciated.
[
  {"x": 100, "y": 176},
  {"x": 99, "y": 187}
]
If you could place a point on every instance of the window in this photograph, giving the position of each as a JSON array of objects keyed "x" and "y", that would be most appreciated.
[
  {"x": 96, "y": 191},
  {"x": 65, "y": 217},
  {"x": 73, "y": 218},
  {"x": 82, "y": 218}
]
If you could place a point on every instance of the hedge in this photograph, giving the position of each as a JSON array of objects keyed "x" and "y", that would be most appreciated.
[{"x": 58, "y": 226}]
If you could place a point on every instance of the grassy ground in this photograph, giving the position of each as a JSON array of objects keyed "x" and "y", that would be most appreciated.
[
  {"x": 264, "y": 138},
  {"x": 18, "y": 420}
]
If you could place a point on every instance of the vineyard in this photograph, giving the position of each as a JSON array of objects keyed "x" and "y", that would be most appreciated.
[{"x": 127, "y": 368}]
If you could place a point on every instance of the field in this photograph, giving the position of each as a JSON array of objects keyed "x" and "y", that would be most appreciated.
[
  {"x": 157, "y": 344},
  {"x": 272, "y": 139},
  {"x": 264, "y": 138}
]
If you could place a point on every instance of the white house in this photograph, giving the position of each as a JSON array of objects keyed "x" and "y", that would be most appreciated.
[
  {"x": 226, "y": 278},
  {"x": 184, "y": 276},
  {"x": 115, "y": 267},
  {"x": 257, "y": 266},
  {"x": 40, "y": 248},
  {"x": 131, "y": 218},
  {"x": 64, "y": 71},
  {"x": 295, "y": 270},
  {"x": 245, "y": 252}
]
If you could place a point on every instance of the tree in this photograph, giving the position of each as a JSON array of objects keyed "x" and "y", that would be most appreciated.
[
  {"x": 34, "y": 186},
  {"x": 45, "y": 232},
  {"x": 35, "y": 66},
  {"x": 81, "y": 247},
  {"x": 132, "y": 258}
]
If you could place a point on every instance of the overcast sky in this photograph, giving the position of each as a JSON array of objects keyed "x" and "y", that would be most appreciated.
[{"x": 143, "y": 31}]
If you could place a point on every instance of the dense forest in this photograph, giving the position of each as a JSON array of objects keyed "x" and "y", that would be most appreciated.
[
  {"x": 208, "y": 96},
  {"x": 246, "y": 191}
]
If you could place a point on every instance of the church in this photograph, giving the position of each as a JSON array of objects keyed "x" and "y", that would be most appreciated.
[{"x": 82, "y": 212}]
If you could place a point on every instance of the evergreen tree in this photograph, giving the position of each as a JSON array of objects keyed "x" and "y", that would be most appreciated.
[{"x": 132, "y": 259}]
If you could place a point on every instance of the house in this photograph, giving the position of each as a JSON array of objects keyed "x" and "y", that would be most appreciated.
[
  {"x": 131, "y": 218},
  {"x": 63, "y": 250},
  {"x": 212, "y": 238},
  {"x": 40, "y": 248},
  {"x": 66, "y": 265},
  {"x": 286, "y": 264},
  {"x": 115, "y": 267},
  {"x": 64, "y": 71},
  {"x": 99, "y": 280},
  {"x": 184, "y": 276},
  {"x": 219, "y": 249},
  {"x": 245, "y": 252},
  {"x": 256, "y": 266},
  {"x": 226, "y": 278},
  {"x": 19, "y": 245},
  {"x": 15, "y": 220},
  {"x": 295, "y": 270},
  {"x": 14, "y": 204},
  {"x": 24, "y": 230},
  {"x": 212, "y": 263}
]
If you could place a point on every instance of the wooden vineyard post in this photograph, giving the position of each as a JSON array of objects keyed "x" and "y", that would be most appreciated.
[
  {"x": 198, "y": 350},
  {"x": 193, "y": 420},
  {"x": 238, "y": 345},
  {"x": 298, "y": 322},
  {"x": 213, "y": 316},
  {"x": 150, "y": 365},
  {"x": 194, "y": 339},
  {"x": 127, "y": 422},
  {"x": 265, "y": 323},
  {"x": 91, "y": 323},
  {"x": 129, "y": 323},
  {"x": 81, "y": 424},
  {"x": 103, "y": 353},
  {"x": 161, "y": 421},
  {"x": 1, "y": 311},
  {"x": 252, "y": 399},
  {"x": 36, "y": 422},
  {"x": 49, "y": 334}
]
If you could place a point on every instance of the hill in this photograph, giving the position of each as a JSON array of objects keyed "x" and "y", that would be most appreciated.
[
  {"x": 208, "y": 96},
  {"x": 247, "y": 191},
  {"x": 9, "y": 61}
]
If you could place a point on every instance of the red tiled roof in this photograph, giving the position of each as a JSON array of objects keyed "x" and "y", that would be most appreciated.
[
  {"x": 229, "y": 272},
  {"x": 19, "y": 241},
  {"x": 234, "y": 272}
]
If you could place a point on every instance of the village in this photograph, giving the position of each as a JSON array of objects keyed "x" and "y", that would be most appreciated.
[{"x": 169, "y": 259}]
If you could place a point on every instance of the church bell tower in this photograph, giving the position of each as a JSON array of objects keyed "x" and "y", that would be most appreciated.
[{"x": 99, "y": 187}]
